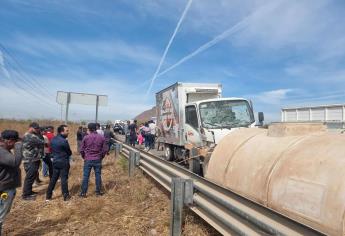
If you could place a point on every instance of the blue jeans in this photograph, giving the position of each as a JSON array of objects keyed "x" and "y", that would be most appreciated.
[
  {"x": 147, "y": 140},
  {"x": 47, "y": 166},
  {"x": 97, "y": 167},
  {"x": 60, "y": 170}
]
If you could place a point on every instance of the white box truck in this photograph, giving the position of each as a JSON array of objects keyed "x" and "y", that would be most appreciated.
[{"x": 195, "y": 116}]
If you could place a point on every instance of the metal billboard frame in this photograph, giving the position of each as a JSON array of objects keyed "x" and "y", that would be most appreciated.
[{"x": 67, "y": 101}]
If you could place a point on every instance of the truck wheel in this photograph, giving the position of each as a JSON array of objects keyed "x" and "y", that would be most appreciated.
[
  {"x": 168, "y": 152},
  {"x": 195, "y": 166}
]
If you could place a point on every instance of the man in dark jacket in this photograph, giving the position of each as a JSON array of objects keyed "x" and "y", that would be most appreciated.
[
  {"x": 109, "y": 137},
  {"x": 32, "y": 152},
  {"x": 10, "y": 177},
  {"x": 133, "y": 129},
  {"x": 61, "y": 153}
]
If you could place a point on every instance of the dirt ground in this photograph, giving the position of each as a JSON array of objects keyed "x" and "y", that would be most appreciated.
[{"x": 130, "y": 206}]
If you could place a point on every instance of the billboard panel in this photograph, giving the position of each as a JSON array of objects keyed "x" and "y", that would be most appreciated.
[{"x": 81, "y": 98}]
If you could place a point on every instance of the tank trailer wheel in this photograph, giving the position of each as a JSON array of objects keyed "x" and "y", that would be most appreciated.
[{"x": 168, "y": 152}]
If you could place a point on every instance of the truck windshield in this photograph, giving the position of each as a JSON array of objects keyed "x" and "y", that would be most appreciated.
[{"x": 226, "y": 114}]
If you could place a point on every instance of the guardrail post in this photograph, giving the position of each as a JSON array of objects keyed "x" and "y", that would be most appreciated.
[
  {"x": 131, "y": 163},
  {"x": 188, "y": 191},
  {"x": 137, "y": 158},
  {"x": 176, "y": 206},
  {"x": 121, "y": 146},
  {"x": 117, "y": 150},
  {"x": 181, "y": 193}
]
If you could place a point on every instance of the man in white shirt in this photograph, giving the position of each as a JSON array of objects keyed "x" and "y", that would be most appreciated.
[{"x": 99, "y": 130}]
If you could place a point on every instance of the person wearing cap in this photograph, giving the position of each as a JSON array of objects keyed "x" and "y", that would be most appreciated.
[
  {"x": 32, "y": 152},
  {"x": 10, "y": 176},
  {"x": 93, "y": 149},
  {"x": 61, "y": 152}
]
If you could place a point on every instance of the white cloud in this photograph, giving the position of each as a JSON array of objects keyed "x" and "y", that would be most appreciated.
[
  {"x": 333, "y": 49},
  {"x": 17, "y": 104},
  {"x": 301, "y": 70},
  {"x": 85, "y": 49},
  {"x": 273, "y": 97},
  {"x": 317, "y": 74},
  {"x": 290, "y": 22},
  {"x": 228, "y": 73},
  {"x": 270, "y": 102}
]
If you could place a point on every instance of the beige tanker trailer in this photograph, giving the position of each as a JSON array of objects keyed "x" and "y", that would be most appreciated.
[{"x": 295, "y": 169}]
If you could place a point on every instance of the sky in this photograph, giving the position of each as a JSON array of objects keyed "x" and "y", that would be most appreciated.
[{"x": 278, "y": 53}]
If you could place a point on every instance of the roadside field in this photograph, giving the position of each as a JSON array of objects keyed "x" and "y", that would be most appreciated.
[{"x": 135, "y": 206}]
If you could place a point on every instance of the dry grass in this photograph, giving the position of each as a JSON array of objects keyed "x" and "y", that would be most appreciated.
[{"x": 131, "y": 206}]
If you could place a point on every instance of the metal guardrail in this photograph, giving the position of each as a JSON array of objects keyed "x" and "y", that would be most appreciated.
[{"x": 226, "y": 211}]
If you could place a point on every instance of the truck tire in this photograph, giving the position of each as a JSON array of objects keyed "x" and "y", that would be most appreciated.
[
  {"x": 168, "y": 152},
  {"x": 195, "y": 166}
]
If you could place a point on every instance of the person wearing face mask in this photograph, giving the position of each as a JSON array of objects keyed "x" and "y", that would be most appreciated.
[
  {"x": 10, "y": 177},
  {"x": 61, "y": 153},
  {"x": 32, "y": 151}
]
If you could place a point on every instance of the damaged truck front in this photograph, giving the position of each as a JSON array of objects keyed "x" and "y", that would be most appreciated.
[{"x": 192, "y": 118}]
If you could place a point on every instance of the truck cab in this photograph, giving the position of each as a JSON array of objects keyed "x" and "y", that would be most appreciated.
[
  {"x": 206, "y": 124},
  {"x": 208, "y": 121}
]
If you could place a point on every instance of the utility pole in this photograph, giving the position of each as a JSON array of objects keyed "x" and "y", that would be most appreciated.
[
  {"x": 67, "y": 106},
  {"x": 97, "y": 102},
  {"x": 61, "y": 112}
]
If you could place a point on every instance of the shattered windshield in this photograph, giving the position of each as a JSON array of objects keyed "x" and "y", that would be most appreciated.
[{"x": 225, "y": 114}]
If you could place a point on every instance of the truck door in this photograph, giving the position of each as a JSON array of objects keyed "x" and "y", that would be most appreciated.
[{"x": 192, "y": 133}]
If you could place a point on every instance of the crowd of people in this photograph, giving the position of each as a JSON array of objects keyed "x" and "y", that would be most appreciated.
[
  {"x": 40, "y": 145},
  {"x": 144, "y": 134}
]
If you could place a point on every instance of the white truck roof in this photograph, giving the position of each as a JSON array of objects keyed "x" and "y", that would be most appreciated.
[
  {"x": 194, "y": 86},
  {"x": 220, "y": 99}
]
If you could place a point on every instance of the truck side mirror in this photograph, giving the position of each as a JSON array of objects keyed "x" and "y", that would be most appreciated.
[{"x": 261, "y": 117}]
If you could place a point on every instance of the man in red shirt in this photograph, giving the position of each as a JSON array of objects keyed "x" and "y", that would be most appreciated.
[{"x": 48, "y": 136}]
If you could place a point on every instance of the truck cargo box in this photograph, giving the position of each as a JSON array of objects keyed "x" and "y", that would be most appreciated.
[{"x": 170, "y": 103}]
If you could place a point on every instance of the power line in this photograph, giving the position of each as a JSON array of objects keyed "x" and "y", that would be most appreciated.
[
  {"x": 24, "y": 81},
  {"x": 27, "y": 87},
  {"x": 14, "y": 58},
  {"x": 29, "y": 79},
  {"x": 25, "y": 91}
]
